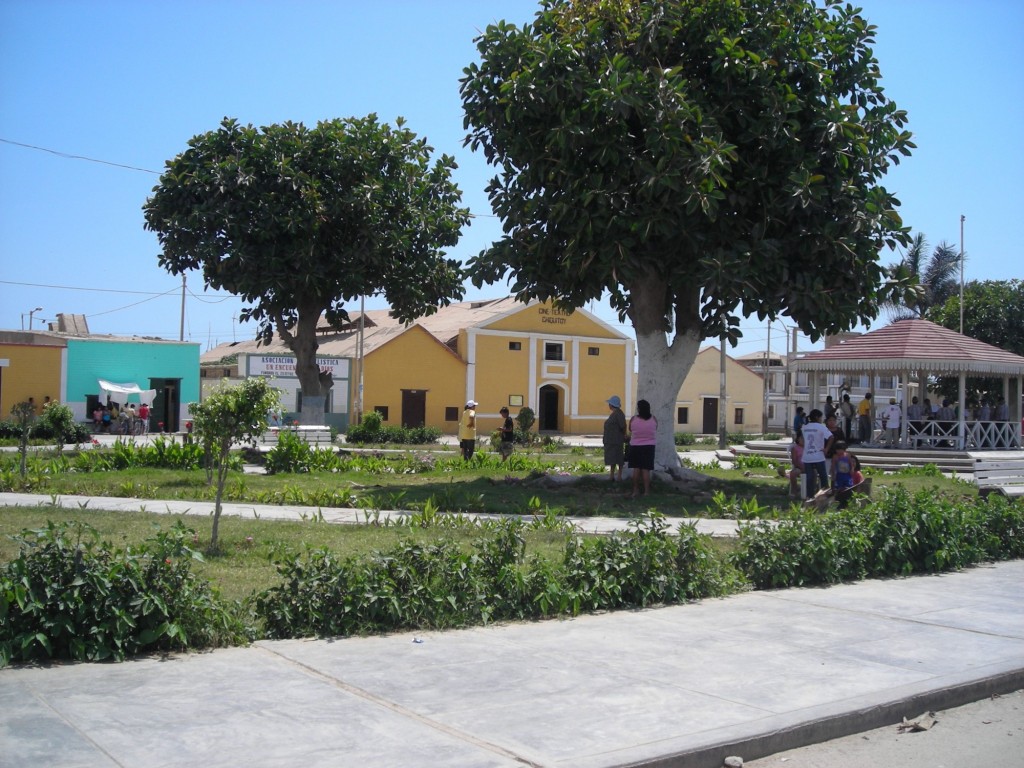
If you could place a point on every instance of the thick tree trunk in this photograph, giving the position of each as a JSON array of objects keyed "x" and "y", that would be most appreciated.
[
  {"x": 663, "y": 366},
  {"x": 314, "y": 384}
]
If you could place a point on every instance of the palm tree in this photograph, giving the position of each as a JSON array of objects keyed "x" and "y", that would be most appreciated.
[{"x": 936, "y": 278}]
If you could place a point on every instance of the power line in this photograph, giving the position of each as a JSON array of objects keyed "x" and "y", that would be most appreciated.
[
  {"x": 105, "y": 290},
  {"x": 69, "y": 156}
]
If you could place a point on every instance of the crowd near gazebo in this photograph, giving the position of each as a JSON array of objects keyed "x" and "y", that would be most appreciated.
[{"x": 917, "y": 352}]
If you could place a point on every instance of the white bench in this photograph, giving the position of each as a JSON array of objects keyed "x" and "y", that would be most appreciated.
[
  {"x": 1005, "y": 476},
  {"x": 312, "y": 435}
]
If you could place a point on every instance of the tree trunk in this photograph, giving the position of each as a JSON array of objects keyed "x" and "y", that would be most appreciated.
[
  {"x": 663, "y": 366},
  {"x": 314, "y": 383}
]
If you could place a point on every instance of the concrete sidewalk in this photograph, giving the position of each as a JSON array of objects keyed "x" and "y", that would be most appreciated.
[
  {"x": 748, "y": 675},
  {"x": 330, "y": 514}
]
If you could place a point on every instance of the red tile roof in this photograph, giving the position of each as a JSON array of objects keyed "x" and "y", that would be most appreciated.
[{"x": 914, "y": 345}]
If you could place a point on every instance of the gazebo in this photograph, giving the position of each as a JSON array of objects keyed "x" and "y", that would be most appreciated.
[{"x": 913, "y": 351}]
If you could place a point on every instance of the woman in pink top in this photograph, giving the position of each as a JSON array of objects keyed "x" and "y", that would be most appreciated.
[{"x": 643, "y": 428}]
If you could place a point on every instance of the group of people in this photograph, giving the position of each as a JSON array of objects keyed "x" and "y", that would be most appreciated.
[
  {"x": 117, "y": 420},
  {"x": 631, "y": 442},
  {"x": 820, "y": 454},
  {"x": 467, "y": 431}
]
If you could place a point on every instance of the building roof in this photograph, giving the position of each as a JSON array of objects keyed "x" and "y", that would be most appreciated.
[
  {"x": 914, "y": 345},
  {"x": 379, "y": 328}
]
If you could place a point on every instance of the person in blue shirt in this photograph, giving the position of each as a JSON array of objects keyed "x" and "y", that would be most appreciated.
[
  {"x": 799, "y": 419},
  {"x": 844, "y": 466}
]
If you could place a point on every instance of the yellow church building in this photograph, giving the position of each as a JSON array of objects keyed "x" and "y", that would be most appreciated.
[{"x": 499, "y": 352}]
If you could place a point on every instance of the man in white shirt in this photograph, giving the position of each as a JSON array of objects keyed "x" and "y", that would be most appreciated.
[
  {"x": 891, "y": 423},
  {"x": 817, "y": 439}
]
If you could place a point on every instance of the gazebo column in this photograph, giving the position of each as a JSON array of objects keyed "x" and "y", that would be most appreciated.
[
  {"x": 904, "y": 426},
  {"x": 961, "y": 427}
]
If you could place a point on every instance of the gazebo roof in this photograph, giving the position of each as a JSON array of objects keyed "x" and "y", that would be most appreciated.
[{"x": 914, "y": 345}]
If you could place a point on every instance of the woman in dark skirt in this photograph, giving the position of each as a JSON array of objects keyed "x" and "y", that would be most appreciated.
[{"x": 643, "y": 428}]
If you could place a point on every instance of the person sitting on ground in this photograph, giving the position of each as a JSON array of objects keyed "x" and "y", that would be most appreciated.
[{"x": 796, "y": 456}]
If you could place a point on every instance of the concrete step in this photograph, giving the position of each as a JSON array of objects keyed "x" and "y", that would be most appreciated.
[{"x": 874, "y": 457}]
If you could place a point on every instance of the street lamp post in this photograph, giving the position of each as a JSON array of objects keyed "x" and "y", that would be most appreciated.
[{"x": 31, "y": 312}]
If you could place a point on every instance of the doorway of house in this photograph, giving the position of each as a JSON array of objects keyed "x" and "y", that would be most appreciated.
[
  {"x": 710, "y": 416},
  {"x": 166, "y": 406},
  {"x": 414, "y": 407},
  {"x": 547, "y": 418}
]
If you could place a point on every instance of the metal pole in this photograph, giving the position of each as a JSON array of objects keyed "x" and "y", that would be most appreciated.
[
  {"x": 722, "y": 442},
  {"x": 181, "y": 329},
  {"x": 767, "y": 386},
  {"x": 359, "y": 391},
  {"x": 962, "y": 218}
]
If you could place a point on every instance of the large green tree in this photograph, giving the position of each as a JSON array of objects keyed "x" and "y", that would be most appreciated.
[
  {"x": 993, "y": 313},
  {"x": 695, "y": 160},
  {"x": 298, "y": 221}
]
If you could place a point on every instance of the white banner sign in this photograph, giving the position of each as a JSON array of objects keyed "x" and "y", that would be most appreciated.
[{"x": 283, "y": 366}]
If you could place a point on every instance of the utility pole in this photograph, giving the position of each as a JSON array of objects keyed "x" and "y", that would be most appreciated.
[
  {"x": 962, "y": 219},
  {"x": 767, "y": 380},
  {"x": 181, "y": 329},
  {"x": 722, "y": 442}
]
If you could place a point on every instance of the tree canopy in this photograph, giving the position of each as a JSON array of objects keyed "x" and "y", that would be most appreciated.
[
  {"x": 695, "y": 159},
  {"x": 994, "y": 314},
  {"x": 298, "y": 221}
]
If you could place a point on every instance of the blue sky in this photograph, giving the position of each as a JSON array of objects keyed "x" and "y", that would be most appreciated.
[{"x": 129, "y": 83}]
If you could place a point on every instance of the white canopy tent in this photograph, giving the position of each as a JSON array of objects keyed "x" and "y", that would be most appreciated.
[{"x": 145, "y": 395}]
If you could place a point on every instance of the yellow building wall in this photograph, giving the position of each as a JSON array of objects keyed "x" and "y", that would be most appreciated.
[
  {"x": 502, "y": 376},
  {"x": 544, "y": 318},
  {"x": 744, "y": 389},
  {"x": 415, "y": 360},
  {"x": 32, "y": 371}
]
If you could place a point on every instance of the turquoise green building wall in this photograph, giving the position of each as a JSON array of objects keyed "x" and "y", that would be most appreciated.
[{"x": 128, "y": 360}]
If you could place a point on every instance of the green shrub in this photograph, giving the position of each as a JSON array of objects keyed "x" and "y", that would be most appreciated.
[
  {"x": 444, "y": 585},
  {"x": 70, "y": 596},
  {"x": 525, "y": 418},
  {"x": 685, "y": 438},
  {"x": 373, "y": 430},
  {"x": 899, "y": 534}
]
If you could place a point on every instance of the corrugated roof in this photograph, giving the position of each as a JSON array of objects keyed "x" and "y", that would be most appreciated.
[
  {"x": 380, "y": 328},
  {"x": 916, "y": 345}
]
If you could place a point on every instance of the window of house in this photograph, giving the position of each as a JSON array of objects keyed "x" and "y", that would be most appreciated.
[
  {"x": 594, "y": 351},
  {"x": 451, "y": 413},
  {"x": 682, "y": 415},
  {"x": 886, "y": 382},
  {"x": 737, "y": 417},
  {"x": 771, "y": 410},
  {"x": 515, "y": 346},
  {"x": 382, "y": 410},
  {"x": 553, "y": 350}
]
